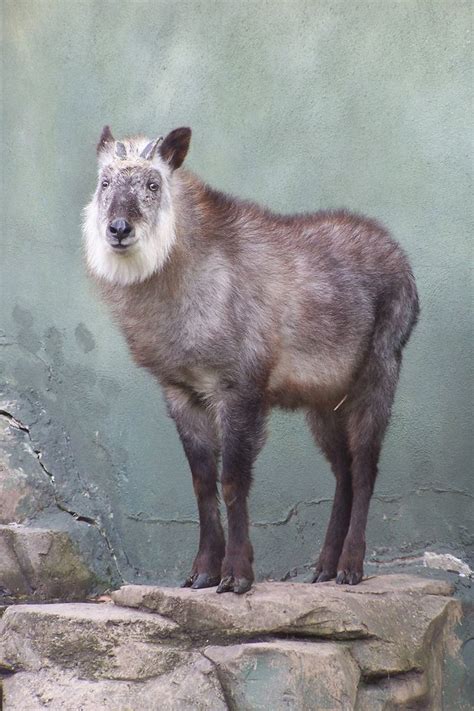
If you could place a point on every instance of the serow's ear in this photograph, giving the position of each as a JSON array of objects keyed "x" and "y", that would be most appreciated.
[
  {"x": 175, "y": 146},
  {"x": 106, "y": 140}
]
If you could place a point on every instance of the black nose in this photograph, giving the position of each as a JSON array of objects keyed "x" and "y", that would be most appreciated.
[{"x": 119, "y": 229}]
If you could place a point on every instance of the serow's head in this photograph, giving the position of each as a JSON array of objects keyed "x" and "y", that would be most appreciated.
[{"x": 129, "y": 223}]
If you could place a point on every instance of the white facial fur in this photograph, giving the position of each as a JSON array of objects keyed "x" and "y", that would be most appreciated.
[{"x": 154, "y": 241}]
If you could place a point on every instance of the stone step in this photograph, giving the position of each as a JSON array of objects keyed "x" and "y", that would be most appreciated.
[
  {"x": 281, "y": 646},
  {"x": 324, "y": 610}
]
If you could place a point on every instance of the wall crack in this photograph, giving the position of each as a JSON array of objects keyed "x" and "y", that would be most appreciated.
[
  {"x": 293, "y": 511},
  {"x": 17, "y": 424}
]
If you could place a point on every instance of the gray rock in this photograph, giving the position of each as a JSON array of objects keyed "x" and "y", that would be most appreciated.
[
  {"x": 281, "y": 675},
  {"x": 193, "y": 687},
  {"x": 409, "y": 691},
  {"x": 39, "y": 563},
  {"x": 379, "y": 646},
  {"x": 99, "y": 656},
  {"x": 371, "y": 609},
  {"x": 447, "y": 562},
  {"x": 404, "y": 631},
  {"x": 94, "y": 640}
]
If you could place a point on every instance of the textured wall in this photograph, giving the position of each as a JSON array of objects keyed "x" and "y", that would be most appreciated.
[{"x": 296, "y": 104}]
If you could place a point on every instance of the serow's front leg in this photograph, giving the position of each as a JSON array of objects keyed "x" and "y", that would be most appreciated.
[
  {"x": 242, "y": 424},
  {"x": 198, "y": 435}
]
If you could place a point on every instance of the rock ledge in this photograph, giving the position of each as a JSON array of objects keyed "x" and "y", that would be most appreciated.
[{"x": 379, "y": 645}]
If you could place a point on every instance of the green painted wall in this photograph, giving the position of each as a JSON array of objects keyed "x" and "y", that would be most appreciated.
[{"x": 296, "y": 104}]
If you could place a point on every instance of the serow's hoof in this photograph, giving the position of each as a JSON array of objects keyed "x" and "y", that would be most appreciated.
[
  {"x": 322, "y": 576},
  {"x": 196, "y": 581},
  {"x": 348, "y": 577},
  {"x": 236, "y": 585}
]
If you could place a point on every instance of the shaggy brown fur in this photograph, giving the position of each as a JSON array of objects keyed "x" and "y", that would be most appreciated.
[{"x": 251, "y": 310}]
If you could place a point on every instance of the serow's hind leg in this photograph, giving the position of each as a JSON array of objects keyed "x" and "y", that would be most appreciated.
[
  {"x": 368, "y": 413},
  {"x": 350, "y": 567},
  {"x": 328, "y": 429}
]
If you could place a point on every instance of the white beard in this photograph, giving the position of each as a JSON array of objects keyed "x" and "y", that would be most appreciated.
[{"x": 140, "y": 261}]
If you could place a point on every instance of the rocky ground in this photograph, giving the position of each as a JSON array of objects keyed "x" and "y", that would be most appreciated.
[
  {"x": 388, "y": 643},
  {"x": 380, "y": 645}
]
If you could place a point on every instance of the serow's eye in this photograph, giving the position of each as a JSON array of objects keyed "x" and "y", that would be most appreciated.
[
  {"x": 153, "y": 187},
  {"x": 105, "y": 183}
]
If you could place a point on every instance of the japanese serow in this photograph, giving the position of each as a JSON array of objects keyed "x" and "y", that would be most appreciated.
[{"x": 234, "y": 310}]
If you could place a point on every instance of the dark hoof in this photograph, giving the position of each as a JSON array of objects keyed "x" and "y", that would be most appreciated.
[
  {"x": 189, "y": 581},
  {"x": 322, "y": 576},
  {"x": 204, "y": 580},
  {"x": 201, "y": 580},
  {"x": 236, "y": 585},
  {"x": 242, "y": 585},
  {"x": 347, "y": 577},
  {"x": 226, "y": 585}
]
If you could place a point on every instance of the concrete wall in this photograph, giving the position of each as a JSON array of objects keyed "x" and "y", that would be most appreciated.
[{"x": 298, "y": 105}]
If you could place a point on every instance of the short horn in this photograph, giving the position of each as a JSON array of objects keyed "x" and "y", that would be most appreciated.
[
  {"x": 149, "y": 151},
  {"x": 120, "y": 150}
]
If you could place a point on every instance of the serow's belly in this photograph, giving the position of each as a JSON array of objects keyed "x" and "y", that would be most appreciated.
[{"x": 302, "y": 381}]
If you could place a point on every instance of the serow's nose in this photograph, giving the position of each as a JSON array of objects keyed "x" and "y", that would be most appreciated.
[{"x": 119, "y": 229}]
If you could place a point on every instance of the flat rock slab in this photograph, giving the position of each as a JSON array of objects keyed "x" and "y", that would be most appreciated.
[
  {"x": 91, "y": 657},
  {"x": 96, "y": 640},
  {"x": 370, "y": 609}
]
